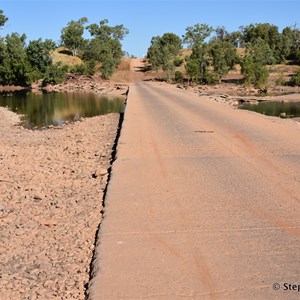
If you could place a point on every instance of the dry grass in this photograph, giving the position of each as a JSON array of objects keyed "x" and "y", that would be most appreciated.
[
  {"x": 124, "y": 65},
  {"x": 284, "y": 69},
  {"x": 63, "y": 55},
  {"x": 122, "y": 72}
]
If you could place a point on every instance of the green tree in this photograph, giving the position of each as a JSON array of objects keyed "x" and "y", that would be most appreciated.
[
  {"x": 4, "y": 63},
  {"x": 3, "y": 18},
  {"x": 235, "y": 38},
  {"x": 38, "y": 54},
  {"x": 15, "y": 67},
  {"x": 224, "y": 57},
  {"x": 163, "y": 52},
  {"x": 295, "y": 80},
  {"x": 154, "y": 54},
  {"x": 196, "y": 34},
  {"x": 198, "y": 63},
  {"x": 108, "y": 53},
  {"x": 297, "y": 57},
  {"x": 105, "y": 46},
  {"x": 291, "y": 36},
  {"x": 269, "y": 34},
  {"x": 72, "y": 35},
  {"x": 106, "y": 32},
  {"x": 262, "y": 52},
  {"x": 222, "y": 35},
  {"x": 255, "y": 72}
]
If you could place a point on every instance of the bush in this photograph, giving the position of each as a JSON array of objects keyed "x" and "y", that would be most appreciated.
[
  {"x": 256, "y": 73},
  {"x": 295, "y": 80},
  {"x": 77, "y": 69},
  {"x": 178, "y": 62},
  {"x": 88, "y": 68},
  {"x": 178, "y": 77},
  {"x": 55, "y": 74},
  {"x": 280, "y": 80},
  {"x": 211, "y": 77},
  {"x": 297, "y": 57}
]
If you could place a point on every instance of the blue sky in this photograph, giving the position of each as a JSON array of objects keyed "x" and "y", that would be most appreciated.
[{"x": 144, "y": 18}]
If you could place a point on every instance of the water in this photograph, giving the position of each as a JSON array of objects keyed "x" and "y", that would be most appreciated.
[
  {"x": 42, "y": 110},
  {"x": 270, "y": 108}
]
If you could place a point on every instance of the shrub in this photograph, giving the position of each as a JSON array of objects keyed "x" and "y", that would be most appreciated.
[
  {"x": 77, "y": 69},
  {"x": 297, "y": 57},
  {"x": 211, "y": 77},
  {"x": 55, "y": 74},
  {"x": 178, "y": 77},
  {"x": 295, "y": 80},
  {"x": 87, "y": 68},
  {"x": 178, "y": 62},
  {"x": 256, "y": 73},
  {"x": 90, "y": 68},
  {"x": 280, "y": 80}
]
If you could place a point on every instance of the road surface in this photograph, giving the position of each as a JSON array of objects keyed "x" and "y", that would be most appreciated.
[{"x": 203, "y": 203}]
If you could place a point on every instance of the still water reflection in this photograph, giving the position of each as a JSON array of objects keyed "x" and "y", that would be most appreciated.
[
  {"x": 56, "y": 108},
  {"x": 288, "y": 109}
]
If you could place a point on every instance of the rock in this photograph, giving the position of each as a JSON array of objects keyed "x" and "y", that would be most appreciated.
[
  {"x": 37, "y": 197},
  {"x": 99, "y": 172},
  {"x": 282, "y": 115},
  {"x": 70, "y": 282}
]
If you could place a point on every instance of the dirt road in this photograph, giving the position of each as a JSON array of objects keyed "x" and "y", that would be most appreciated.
[{"x": 203, "y": 203}]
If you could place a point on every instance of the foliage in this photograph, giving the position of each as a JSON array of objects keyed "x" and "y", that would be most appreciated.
[
  {"x": 292, "y": 39},
  {"x": 198, "y": 63},
  {"x": 3, "y": 19},
  {"x": 178, "y": 62},
  {"x": 297, "y": 57},
  {"x": 219, "y": 53},
  {"x": 90, "y": 68},
  {"x": 38, "y": 53},
  {"x": 209, "y": 62},
  {"x": 224, "y": 57},
  {"x": 196, "y": 34},
  {"x": 295, "y": 80},
  {"x": 254, "y": 64},
  {"x": 256, "y": 73},
  {"x": 105, "y": 32},
  {"x": 262, "y": 52},
  {"x": 55, "y": 74},
  {"x": 77, "y": 69},
  {"x": 268, "y": 34},
  {"x": 71, "y": 35},
  {"x": 280, "y": 80},
  {"x": 163, "y": 53},
  {"x": 108, "y": 54},
  {"x": 178, "y": 77},
  {"x": 105, "y": 47},
  {"x": 15, "y": 67},
  {"x": 22, "y": 64},
  {"x": 87, "y": 68}
]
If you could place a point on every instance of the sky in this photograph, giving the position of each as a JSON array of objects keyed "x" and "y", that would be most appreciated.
[{"x": 144, "y": 18}]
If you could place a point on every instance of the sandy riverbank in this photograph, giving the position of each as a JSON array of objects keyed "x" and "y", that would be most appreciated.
[{"x": 51, "y": 188}]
